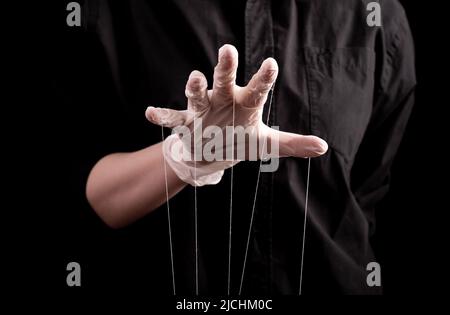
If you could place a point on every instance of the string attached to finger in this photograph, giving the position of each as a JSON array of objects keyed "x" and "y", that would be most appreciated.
[
  {"x": 168, "y": 218},
  {"x": 304, "y": 228},
  {"x": 195, "y": 207},
  {"x": 255, "y": 195},
  {"x": 231, "y": 204}
]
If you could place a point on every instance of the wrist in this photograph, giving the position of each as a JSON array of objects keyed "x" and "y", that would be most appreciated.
[{"x": 189, "y": 171}]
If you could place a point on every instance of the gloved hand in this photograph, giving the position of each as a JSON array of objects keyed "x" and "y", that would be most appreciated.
[{"x": 215, "y": 108}]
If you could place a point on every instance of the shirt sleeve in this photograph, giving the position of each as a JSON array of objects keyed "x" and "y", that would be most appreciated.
[{"x": 393, "y": 102}]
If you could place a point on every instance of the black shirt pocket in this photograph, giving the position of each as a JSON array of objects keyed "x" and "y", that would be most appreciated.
[{"x": 340, "y": 86}]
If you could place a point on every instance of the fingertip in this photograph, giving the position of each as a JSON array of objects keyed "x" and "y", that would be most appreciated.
[
  {"x": 270, "y": 63},
  {"x": 227, "y": 50},
  {"x": 148, "y": 110},
  {"x": 197, "y": 81},
  {"x": 228, "y": 55},
  {"x": 196, "y": 74},
  {"x": 150, "y": 114},
  {"x": 269, "y": 70},
  {"x": 316, "y": 146},
  {"x": 322, "y": 146}
]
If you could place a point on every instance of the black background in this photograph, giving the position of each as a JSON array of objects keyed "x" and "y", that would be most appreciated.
[{"x": 54, "y": 226}]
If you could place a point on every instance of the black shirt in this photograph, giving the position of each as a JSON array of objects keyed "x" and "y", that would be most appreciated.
[{"x": 339, "y": 79}]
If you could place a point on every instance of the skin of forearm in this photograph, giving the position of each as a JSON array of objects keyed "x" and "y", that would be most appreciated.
[{"x": 123, "y": 187}]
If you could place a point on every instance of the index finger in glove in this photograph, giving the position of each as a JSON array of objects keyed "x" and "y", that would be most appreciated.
[
  {"x": 254, "y": 95},
  {"x": 196, "y": 91}
]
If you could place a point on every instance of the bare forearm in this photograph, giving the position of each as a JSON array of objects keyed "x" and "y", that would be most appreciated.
[{"x": 124, "y": 187}]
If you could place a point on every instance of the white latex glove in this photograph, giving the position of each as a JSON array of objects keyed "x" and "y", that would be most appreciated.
[{"x": 215, "y": 108}]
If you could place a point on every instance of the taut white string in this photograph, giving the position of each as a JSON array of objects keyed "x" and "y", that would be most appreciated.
[
  {"x": 195, "y": 207},
  {"x": 304, "y": 227},
  {"x": 231, "y": 206},
  {"x": 255, "y": 196},
  {"x": 168, "y": 218}
]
